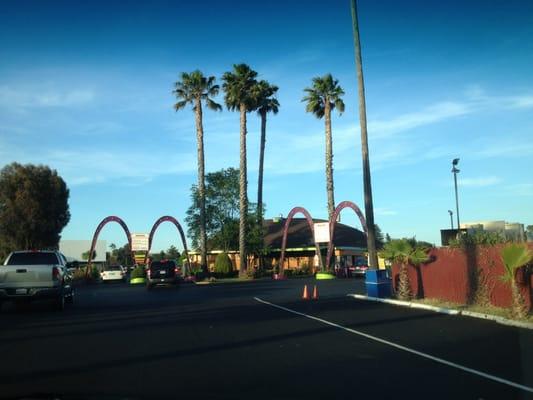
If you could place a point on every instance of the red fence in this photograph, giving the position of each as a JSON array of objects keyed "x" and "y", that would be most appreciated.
[{"x": 452, "y": 273}]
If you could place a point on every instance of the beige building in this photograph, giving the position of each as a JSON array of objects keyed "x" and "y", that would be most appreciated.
[{"x": 509, "y": 230}]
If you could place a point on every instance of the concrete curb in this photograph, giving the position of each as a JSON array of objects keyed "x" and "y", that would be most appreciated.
[{"x": 449, "y": 311}]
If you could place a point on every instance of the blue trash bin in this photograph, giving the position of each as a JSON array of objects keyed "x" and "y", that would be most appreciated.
[{"x": 377, "y": 284}]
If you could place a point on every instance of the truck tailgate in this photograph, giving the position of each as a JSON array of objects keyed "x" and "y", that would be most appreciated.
[{"x": 12, "y": 276}]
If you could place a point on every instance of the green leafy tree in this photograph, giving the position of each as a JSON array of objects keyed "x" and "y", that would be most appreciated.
[
  {"x": 121, "y": 255},
  {"x": 400, "y": 251},
  {"x": 322, "y": 98},
  {"x": 380, "y": 239},
  {"x": 195, "y": 89},
  {"x": 223, "y": 264},
  {"x": 222, "y": 214},
  {"x": 515, "y": 256},
  {"x": 33, "y": 207},
  {"x": 85, "y": 255},
  {"x": 172, "y": 253},
  {"x": 239, "y": 87},
  {"x": 265, "y": 102}
]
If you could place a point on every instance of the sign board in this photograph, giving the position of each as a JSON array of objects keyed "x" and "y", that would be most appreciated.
[
  {"x": 321, "y": 232},
  {"x": 139, "y": 242}
]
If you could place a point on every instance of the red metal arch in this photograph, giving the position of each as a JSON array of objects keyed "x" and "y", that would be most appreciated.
[
  {"x": 180, "y": 230},
  {"x": 111, "y": 218},
  {"x": 291, "y": 215},
  {"x": 333, "y": 221}
]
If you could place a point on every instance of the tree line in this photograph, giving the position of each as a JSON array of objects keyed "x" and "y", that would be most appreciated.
[{"x": 244, "y": 93}]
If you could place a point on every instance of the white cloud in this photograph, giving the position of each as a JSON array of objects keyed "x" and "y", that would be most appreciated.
[
  {"x": 480, "y": 182},
  {"x": 383, "y": 211},
  {"x": 24, "y": 97},
  {"x": 429, "y": 115}
]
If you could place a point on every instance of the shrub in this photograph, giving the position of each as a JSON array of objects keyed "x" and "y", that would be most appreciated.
[
  {"x": 223, "y": 265},
  {"x": 138, "y": 272},
  {"x": 478, "y": 238}
]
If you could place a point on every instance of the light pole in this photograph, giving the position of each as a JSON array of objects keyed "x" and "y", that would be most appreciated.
[
  {"x": 455, "y": 171},
  {"x": 451, "y": 217}
]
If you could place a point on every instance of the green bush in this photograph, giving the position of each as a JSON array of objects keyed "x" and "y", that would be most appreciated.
[
  {"x": 223, "y": 265},
  {"x": 478, "y": 238},
  {"x": 138, "y": 272}
]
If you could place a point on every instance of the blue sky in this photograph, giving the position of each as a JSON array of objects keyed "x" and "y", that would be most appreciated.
[{"x": 86, "y": 88}]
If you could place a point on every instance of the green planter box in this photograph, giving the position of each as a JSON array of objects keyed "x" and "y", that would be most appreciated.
[
  {"x": 138, "y": 281},
  {"x": 323, "y": 276}
]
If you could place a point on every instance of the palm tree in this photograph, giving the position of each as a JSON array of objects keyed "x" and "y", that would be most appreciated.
[
  {"x": 195, "y": 88},
  {"x": 239, "y": 87},
  {"x": 402, "y": 252},
  {"x": 323, "y": 97},
  {"x": 515, "y": 256},
  {"x": 265, "y": 102}
]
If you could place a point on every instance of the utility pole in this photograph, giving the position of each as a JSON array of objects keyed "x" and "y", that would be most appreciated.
[
  {"x": 369, "y": 206},
  {"x": 455, "y": 171},
  {"x": 451, "y": 217}
]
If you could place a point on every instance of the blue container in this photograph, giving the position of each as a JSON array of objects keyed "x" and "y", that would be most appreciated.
[{"x": 377, "y": 284}]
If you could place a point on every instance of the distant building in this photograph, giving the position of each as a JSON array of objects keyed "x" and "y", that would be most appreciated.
[
  {"x": 509, "y": 230},
  {"x": 350, "y": 244},
  {"x": 74, "y": 249}
]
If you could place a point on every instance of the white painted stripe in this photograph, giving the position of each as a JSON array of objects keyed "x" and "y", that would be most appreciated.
[{"x": 407, "y": 349}]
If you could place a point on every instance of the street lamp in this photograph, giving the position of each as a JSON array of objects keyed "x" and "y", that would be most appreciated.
[
  {"x": 451, "y": 217},
  {"x": 455, "y": 171}
]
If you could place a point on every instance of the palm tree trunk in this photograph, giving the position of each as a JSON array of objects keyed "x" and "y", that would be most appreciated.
[
  {"x": 243, "y": 195},
  {"x": 404, "y": 287},
  {"x": 201, "y": 184},
  {"x": 261, "y": 163},
  {"x": 519, "y": 305},
  {"x": 329, "y": 161}
]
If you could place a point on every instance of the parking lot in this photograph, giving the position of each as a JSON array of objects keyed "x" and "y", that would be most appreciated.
[{"x": 255, "y": 340}]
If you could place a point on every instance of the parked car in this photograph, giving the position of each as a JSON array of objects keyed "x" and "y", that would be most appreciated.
[
  {"x": 164, "y": 272},
  {"x": 113, "y": 273},
  {"x": 359, "y": 268},
  {"x": 36, "y": 275}
]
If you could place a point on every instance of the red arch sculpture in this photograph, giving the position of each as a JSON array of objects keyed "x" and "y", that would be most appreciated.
[
  {"x": 291, "y": 215},
  {"x": 111, "y": 218},
  {"x": 333, "y": 221},
  {"x": 180, "y": 230}
]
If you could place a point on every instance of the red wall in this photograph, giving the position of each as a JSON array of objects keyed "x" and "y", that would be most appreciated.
[{"x": 446, "y": 276}]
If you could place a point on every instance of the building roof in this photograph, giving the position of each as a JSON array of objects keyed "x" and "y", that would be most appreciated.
[{"x": 299, "y": 234}]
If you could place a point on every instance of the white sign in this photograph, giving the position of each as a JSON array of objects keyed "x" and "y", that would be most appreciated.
[
  {"x": 321, "y": 232},
  {"x": 139, "y": 242}
]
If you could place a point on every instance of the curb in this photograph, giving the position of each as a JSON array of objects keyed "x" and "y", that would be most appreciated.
[{"x": 449, "y": 311}]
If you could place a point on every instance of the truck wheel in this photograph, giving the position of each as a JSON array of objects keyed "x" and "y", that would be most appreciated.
[
  {"x": 70, "y": 298},
  {"x": 59, "y": 303}
]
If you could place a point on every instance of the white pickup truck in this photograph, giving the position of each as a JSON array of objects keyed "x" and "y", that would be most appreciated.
[{"x": 36, "y": 275}]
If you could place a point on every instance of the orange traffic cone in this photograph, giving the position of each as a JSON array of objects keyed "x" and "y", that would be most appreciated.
[
  {"x": 315, "y": 293},
  {"x": 305, "y": 294}
]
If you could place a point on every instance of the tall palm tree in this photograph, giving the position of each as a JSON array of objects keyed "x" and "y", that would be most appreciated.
[
  {"x": 264, "y": 96},
  {"x": 195, "y": 88},
  {"x": 239, "y": 95},
  {"x": 323, "y": 97},
  {"x": 515, "y": 256},
  {"x": 402, "y": 252}
]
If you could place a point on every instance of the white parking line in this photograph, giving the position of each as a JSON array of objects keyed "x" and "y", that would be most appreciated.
[{"x": 407, "y": 349}]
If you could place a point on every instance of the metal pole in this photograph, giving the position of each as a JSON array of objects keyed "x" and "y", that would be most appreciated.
[
  {"x": 451, "y": 217},
  {"x": 455, "y": 170},
  {"x": 367, "y": 185}
]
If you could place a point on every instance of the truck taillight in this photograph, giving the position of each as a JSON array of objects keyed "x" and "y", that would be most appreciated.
[
  {"x": 148, "y": 272},
  {"x": 176, "y": 270},
  {"x": 55, "y": 273}
]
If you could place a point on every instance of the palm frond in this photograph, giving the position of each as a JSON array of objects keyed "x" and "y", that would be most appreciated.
[{"x": 514, "y": 256}]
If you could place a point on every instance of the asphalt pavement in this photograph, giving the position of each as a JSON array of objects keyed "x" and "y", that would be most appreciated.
[{"x": 255, "y": 340}]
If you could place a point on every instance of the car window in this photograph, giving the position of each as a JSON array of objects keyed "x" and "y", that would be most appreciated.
[
  {"x": 113, "y": 268},
  {"x": 33, "y": 258}
]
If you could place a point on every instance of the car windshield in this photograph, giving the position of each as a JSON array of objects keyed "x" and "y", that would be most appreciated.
[{"x": 113, "y": 268}]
